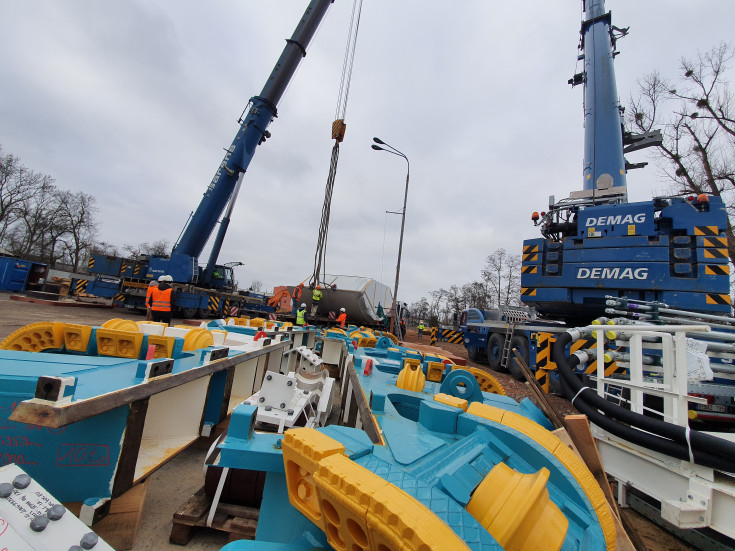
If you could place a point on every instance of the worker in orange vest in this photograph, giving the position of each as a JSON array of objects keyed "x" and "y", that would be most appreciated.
[
  {"x": 160, "y": 300},
  {"x": 152, "y": 285},
  {"x": 296, "y": 296},
  {"x": 342, "y": 318}
]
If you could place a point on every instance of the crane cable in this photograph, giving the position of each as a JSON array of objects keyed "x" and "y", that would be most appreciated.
[{"x": 338, "y": 134}]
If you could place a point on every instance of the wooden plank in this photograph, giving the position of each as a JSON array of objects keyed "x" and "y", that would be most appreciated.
[
  {"x": 541, "y": 398},
  {"x": 50, "y": 415},
  {"x": 120, "y": 527},
  {"x": 125, "y": 473}
]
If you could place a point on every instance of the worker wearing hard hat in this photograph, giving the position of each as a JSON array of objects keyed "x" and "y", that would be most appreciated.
[
  {"x": 301, "y": 315},
  {"x": 161, "y": 300},
  {"x": 296, "y": 296},
  {"x": 151, "y": 286},
  {"x": 342, "y": 318},
  {"x": 421, "y": 329},
  {"x": 316, "y": 296}
]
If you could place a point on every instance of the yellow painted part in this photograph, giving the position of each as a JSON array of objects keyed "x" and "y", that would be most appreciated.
[
  {"x": 35, "y": 337},
  {"x": 414, "y": 355},
  {"x": 411, "y": 377},
  {"x": 487, "y": 382},
  {"x": 198, "y": 338},
  {"x": 516, "y": 509},
  {"x": 367, "y": 342},
  {"x": 303, "y": 449},
  {"x": 566, "y": 456},
  {"x": 362, "y": 511},
  {"x": 286, "y": 324},
  {"x": 118, "y": 343},
  {"x": 413, "y": 362},
  {"x": 391, "y": 336},
  {"x": 164, "y": 346},
  {"x": 449, "y": 400},
  {"x": 395, "y": 349},
  {"x": 491, "y": 413},
  {"x": 434, "y": 371},
  {"x": 121, "y": 325},
  {"x": 337, "y": 331},
  {"x": 76, "y": 337},
  {"x": 256, "y": 322}
]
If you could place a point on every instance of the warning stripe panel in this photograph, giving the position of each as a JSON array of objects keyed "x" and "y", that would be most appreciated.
[
  {"x": 119, "y": 298},
  {"x": 714, "y": 242},
  {"x": 81, "y": 286},
  {"x": 529, "y": 270},
  {"x": 528, "y": 249},
  {"x": 533, "y": 257},
  {"x": 718, "y": 299},
  {"x": 528, "y": 292},
  {"x": 706, "y": 230},
  {"x": 715, "y": 253},
  {"x": 717, "y": 269}
]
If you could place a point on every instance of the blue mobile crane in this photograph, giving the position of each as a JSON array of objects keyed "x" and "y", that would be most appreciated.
[
  {"x": 596, "y": 246},
  {"x": 211, "y": 289}
]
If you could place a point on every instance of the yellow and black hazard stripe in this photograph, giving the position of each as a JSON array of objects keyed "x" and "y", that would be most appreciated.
[
  {"x": 90, "y": 264},
  {"x": 118, "y": 298},
  {"x": 529, "y": 269},
  {"x": 532, "y": 257},
  {"x": 718, "y": 242},
  {"x": 136, "y": 270},
  {"x": 717, "y": 269},
  {"x": 716, "y": 298},
  {"x": 124, "y": 267},
  {"x": 610, "y": 367},
  {"x": 213, "y": 303},
  {"x": 433, "y": 336},
  {"x": 544, "y": 346},
  {"x": 81, "y": 286},
  {"x": 707, "y": 230},
  {"x": 528, "y": 291},
  {"x": 449, "y": 335},
  {"x": 720, "y": 254}
]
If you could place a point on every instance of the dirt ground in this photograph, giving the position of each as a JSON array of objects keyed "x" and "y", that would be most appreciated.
[{"x": 171, "y": 485}]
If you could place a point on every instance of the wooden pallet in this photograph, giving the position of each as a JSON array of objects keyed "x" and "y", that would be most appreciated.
[{"x": 238, "y": 521}]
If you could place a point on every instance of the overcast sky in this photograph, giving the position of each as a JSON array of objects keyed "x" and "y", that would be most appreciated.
[{"x": 134, "y": 101}]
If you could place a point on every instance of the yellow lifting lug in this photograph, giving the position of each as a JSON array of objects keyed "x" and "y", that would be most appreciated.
[{"x": 338, "y": 130}]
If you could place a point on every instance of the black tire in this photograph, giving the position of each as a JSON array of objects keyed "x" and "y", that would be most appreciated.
[
  {"x": 495, "y": 351},
  {"x": 202, "y": 313},
  {"x": 188, "y": 312},
  {"x": 521, "y": 345}
]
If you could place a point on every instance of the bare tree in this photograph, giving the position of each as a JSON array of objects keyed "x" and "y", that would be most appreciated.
[
  {"x": 78, "y": 213},
  {"x": 256, "y": 285},
  {"x": 156, "y": 248},
  {"x": 698, "y": 120},
  {"x": 502, "y": 275}
]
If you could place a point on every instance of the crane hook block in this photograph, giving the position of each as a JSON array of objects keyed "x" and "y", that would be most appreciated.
[{"x": 338, "y": 130}]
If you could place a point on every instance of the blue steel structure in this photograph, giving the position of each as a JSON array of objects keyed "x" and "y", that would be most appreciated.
[
  {"x": 595, "y": 243},
  {"x": 183, "y": 263}
]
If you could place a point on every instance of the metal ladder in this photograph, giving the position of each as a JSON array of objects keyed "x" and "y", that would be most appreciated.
[{"x": 513, "y": 316}]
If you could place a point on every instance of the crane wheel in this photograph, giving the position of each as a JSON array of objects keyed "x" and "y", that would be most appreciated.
[
  {"x": 495, "y": 351},
  {"x": 521, "y": 345}
]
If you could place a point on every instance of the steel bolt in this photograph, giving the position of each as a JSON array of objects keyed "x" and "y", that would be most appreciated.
[
  {"x": 89, "y": 540},
  {"x": 268, "y": 408},
  {"x": 261, "y": 399},
  {"x": 289, "y": 383},
  {"x": 268, "y": 377},
  {"x": 22, "y": 481},
  {"x": 56, "y": 512},
  {"x": 290, "y": 412},
  {"x": 283, "y": 405},
  {"x": 39, "y": 523},
  {"x": 6, "y": 489}
]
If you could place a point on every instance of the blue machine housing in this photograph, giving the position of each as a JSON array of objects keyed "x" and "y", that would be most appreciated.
[{"x": 673, "y": 251}]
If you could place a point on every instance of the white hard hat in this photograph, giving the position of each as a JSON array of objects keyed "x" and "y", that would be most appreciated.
[
  {"x": 165, "y": 278},
  {"x": 152, "y": 284},
  {"x": 303, "y": 305},
  {"x": 341, "y": 309}
]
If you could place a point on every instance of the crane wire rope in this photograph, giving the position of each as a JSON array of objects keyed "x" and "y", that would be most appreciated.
[{"x": 338, "y": 129}]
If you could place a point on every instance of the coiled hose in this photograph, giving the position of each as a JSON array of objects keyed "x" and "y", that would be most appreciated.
[{"x": 672, "y": 440}]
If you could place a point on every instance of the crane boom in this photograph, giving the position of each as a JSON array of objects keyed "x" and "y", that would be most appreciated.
[{"x": 252, "y": 132}]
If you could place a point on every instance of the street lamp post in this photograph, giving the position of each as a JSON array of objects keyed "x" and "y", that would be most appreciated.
[{"x": 396, "y": 328}]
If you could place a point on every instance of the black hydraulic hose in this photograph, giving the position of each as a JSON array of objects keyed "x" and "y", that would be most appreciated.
[{"x": 669, "y": 439}]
